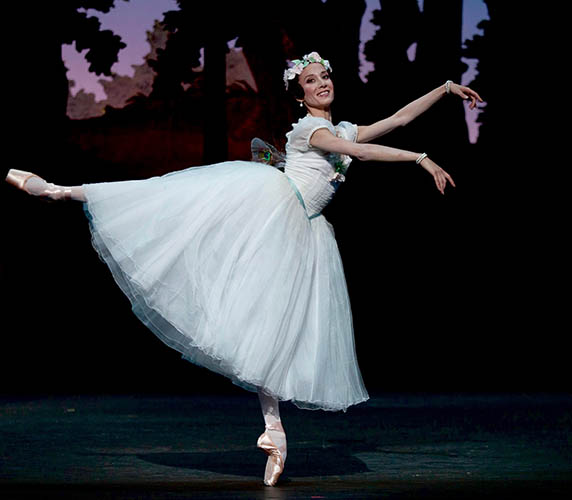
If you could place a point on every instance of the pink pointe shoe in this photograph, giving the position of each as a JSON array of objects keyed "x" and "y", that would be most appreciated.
[
  {"x": 41, "y": 188},
  {"x": 276, "y": 458}
]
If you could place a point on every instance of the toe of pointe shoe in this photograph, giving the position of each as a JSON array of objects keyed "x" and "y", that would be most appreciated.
[
  {"x": 18, "y": 178},
  {"x": 275, "y": 461},
  {"x": 274, "y": 469}
]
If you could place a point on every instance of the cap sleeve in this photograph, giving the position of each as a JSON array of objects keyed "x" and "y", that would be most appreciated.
[
  {"x": 300, "y": 135},
  {"x": 348, "y": 131}
]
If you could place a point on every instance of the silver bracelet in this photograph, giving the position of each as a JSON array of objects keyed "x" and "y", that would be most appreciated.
[
  {"x": 448, "y": 86},
  {"x": 420, "y": 158}
]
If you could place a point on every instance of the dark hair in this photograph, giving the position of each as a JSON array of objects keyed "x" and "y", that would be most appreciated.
[{"x": 295, "y": 90}]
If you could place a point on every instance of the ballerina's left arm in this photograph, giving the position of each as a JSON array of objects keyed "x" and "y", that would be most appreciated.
[
  {"x": 367, "y": 133},
  {"x": 323, "y": 139}
]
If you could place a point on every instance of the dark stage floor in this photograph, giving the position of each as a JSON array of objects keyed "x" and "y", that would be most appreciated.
[{"x": 393, "y": 446}]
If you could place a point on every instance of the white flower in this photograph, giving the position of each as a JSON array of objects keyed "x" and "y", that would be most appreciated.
[
  {"x": 300, "y": 64},
  {"x": 337, "y": 177},
  {"x": 346, "y": 160},
  {"x": 313, "y": 57}
]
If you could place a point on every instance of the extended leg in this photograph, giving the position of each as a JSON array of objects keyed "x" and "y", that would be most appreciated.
[{"x": 36, "y": 186}]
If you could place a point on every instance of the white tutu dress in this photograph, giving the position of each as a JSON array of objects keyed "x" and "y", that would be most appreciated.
[{"x": 233, "y": 266}]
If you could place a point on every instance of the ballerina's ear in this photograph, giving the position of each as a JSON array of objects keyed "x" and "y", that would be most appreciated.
[{"x": 262, "y": 152}]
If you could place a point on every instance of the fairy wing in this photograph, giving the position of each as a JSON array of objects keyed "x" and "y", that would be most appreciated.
[{"x": 263, "y": 152}]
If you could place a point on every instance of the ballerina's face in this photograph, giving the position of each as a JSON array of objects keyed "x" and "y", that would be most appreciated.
[{"x": 317, "y": 85}]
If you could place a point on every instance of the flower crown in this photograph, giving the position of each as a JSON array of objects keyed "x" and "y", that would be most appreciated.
[{"x": 298, "y": 66}]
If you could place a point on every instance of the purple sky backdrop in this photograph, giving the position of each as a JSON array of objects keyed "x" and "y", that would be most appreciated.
[{"x": 131, "y": 20}]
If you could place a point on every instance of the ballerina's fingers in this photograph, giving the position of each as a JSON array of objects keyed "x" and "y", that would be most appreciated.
[
  {"x": 449, "y": 178},
  {"x": 439, "y": 182},
  {"x": 474, "y": 97},
  {"x": 467, "y": 93},
  {"x": 441, "y": 178}
]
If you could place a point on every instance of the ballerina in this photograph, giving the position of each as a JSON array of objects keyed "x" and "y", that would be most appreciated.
[{"x": 234, "y": 265}]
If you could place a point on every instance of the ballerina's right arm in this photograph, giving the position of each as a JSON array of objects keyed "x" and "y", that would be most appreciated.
[{"x": 326, "y": 141}]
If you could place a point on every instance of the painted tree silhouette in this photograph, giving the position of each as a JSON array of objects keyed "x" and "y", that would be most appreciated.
[
  {"x": 70, "y": 23},
  {"x": 197, "y": 25},
  {"x": 490, "y": 51},
  {"x": 435, "y": 34},
  {"x": 38, "y": 71},
  {"x": 268, "y": 37},
  {"x": 398, "y": 22},
  {"x": 438, "y": 58}
]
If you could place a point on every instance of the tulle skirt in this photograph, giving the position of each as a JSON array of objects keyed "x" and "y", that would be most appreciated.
[{"x": 222, "y": 263}]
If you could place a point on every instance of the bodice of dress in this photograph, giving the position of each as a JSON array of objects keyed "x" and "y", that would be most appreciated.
[{"x": 316, "y": 173}]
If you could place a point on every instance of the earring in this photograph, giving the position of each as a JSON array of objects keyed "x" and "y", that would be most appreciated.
[{"x": 302, "y": 104}]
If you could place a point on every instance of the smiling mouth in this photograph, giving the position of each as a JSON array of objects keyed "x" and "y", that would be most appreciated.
[{"x": 324, "y": 93}]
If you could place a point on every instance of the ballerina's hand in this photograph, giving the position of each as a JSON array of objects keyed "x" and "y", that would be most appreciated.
[
  {"x": 466, "y": 93},
  {"x": 441, "y": 177}
]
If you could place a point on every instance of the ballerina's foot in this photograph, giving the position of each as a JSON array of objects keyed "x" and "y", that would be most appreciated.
[
  {"x": 273, "y": 442},
  {"x": 36, "y": 186}
]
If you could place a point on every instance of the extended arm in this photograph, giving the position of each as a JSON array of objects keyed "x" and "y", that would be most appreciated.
[
  {"x": 367, "y": 133},
  {"x": 326, "y": 141}
]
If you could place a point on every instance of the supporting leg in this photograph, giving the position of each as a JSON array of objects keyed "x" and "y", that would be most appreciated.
[
  {"x": 273, "y": 440},
  {"x": 270, "y": 409}
]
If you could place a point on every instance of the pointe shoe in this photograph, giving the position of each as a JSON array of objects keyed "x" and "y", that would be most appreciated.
[
  {"x": 275, "y": 462},
  {"x": 19, "y": 178}
]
